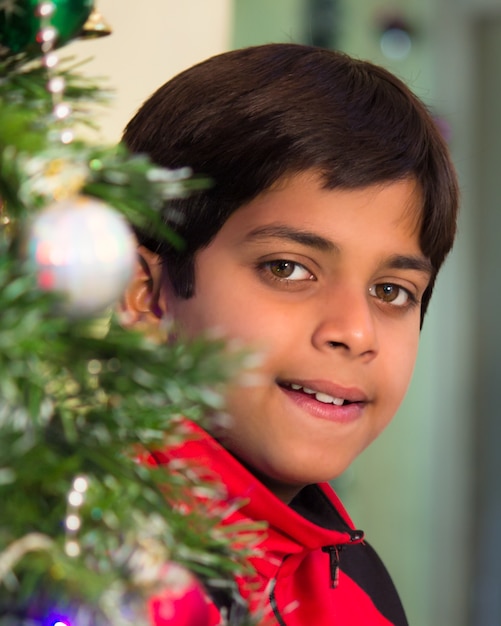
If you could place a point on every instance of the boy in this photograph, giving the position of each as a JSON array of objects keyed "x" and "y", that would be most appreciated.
[{"x": 332, "y": 208}]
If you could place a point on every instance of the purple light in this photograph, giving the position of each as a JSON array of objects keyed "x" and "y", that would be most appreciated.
[{"x": 56, "y": 619}]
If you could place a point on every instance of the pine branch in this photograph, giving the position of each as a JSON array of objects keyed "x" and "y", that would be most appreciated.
[{"x": 86, "y": 398}]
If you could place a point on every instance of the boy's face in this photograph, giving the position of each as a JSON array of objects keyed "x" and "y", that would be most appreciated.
[{"x": 325, "y": 285}]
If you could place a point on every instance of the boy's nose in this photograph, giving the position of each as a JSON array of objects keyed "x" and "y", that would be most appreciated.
[{"x": 346, "y": 322}]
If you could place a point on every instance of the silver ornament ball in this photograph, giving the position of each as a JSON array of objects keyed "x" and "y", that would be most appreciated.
[{"x": 85, "y": 250}]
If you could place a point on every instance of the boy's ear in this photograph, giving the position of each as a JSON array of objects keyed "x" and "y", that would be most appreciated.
[{"x": 143, "y": 304}]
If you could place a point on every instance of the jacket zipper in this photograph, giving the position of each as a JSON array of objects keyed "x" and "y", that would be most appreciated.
[{"x": 333, "y": 551}]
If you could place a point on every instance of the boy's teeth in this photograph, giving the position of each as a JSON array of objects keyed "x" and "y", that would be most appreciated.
[{"x": 321, "y": 397}]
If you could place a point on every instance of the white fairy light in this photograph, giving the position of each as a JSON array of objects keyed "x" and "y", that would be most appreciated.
[
  {"x": 56, "y": 85},
  {"x": 47, "y": 35},
  {"x": 72, "y": 548},
  {"x": 75, "y": 498},
  {"x": 67, "y": 136},
  {"x": 45, "y": 9},
  {"x": 51, "y": 60},
  {"x": 73, "y": 522},
  {"x": 62, "y": 111},
  {"x": 81, "y": 484}
]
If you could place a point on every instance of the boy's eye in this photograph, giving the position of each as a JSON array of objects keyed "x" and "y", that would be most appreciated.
[
  {"x": 391, "y": 294},
  {"x": 288, "y": 270}
]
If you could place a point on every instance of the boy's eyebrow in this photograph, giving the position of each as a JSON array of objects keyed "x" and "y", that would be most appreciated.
[
  {"x": 411, "y": 262},
  {"x": 304, "y": 237},
  {"x": 398, "y": 261}
]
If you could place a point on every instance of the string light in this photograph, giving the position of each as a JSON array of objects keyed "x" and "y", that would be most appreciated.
[
  {"x": 56, "y": 85},
  {"x": 73, "y": 521}
]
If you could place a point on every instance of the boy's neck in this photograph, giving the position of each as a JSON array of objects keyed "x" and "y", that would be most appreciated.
[{"x": 282, "y": 491}]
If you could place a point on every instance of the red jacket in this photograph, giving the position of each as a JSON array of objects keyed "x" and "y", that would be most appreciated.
[{"x": 313, "y": 567}]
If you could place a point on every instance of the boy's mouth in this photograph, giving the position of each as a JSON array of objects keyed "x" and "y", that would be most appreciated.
[{"x": 321, "y": 396}]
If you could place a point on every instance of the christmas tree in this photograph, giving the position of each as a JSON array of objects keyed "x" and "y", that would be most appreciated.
[{"x": 88, "y": 533}]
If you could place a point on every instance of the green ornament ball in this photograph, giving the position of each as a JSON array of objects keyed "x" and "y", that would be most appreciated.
[{"x": 20, "y": 23}]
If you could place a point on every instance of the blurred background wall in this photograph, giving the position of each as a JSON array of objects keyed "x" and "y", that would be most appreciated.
[
  {"x": 152, "y": 40},
  {"x": 427, "y": 492}
]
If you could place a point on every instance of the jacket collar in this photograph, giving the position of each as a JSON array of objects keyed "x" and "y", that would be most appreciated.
[{"x": 288, "y": 525}]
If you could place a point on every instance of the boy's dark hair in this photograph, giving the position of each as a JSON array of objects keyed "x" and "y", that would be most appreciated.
[{"x": 249, "y": 117}]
